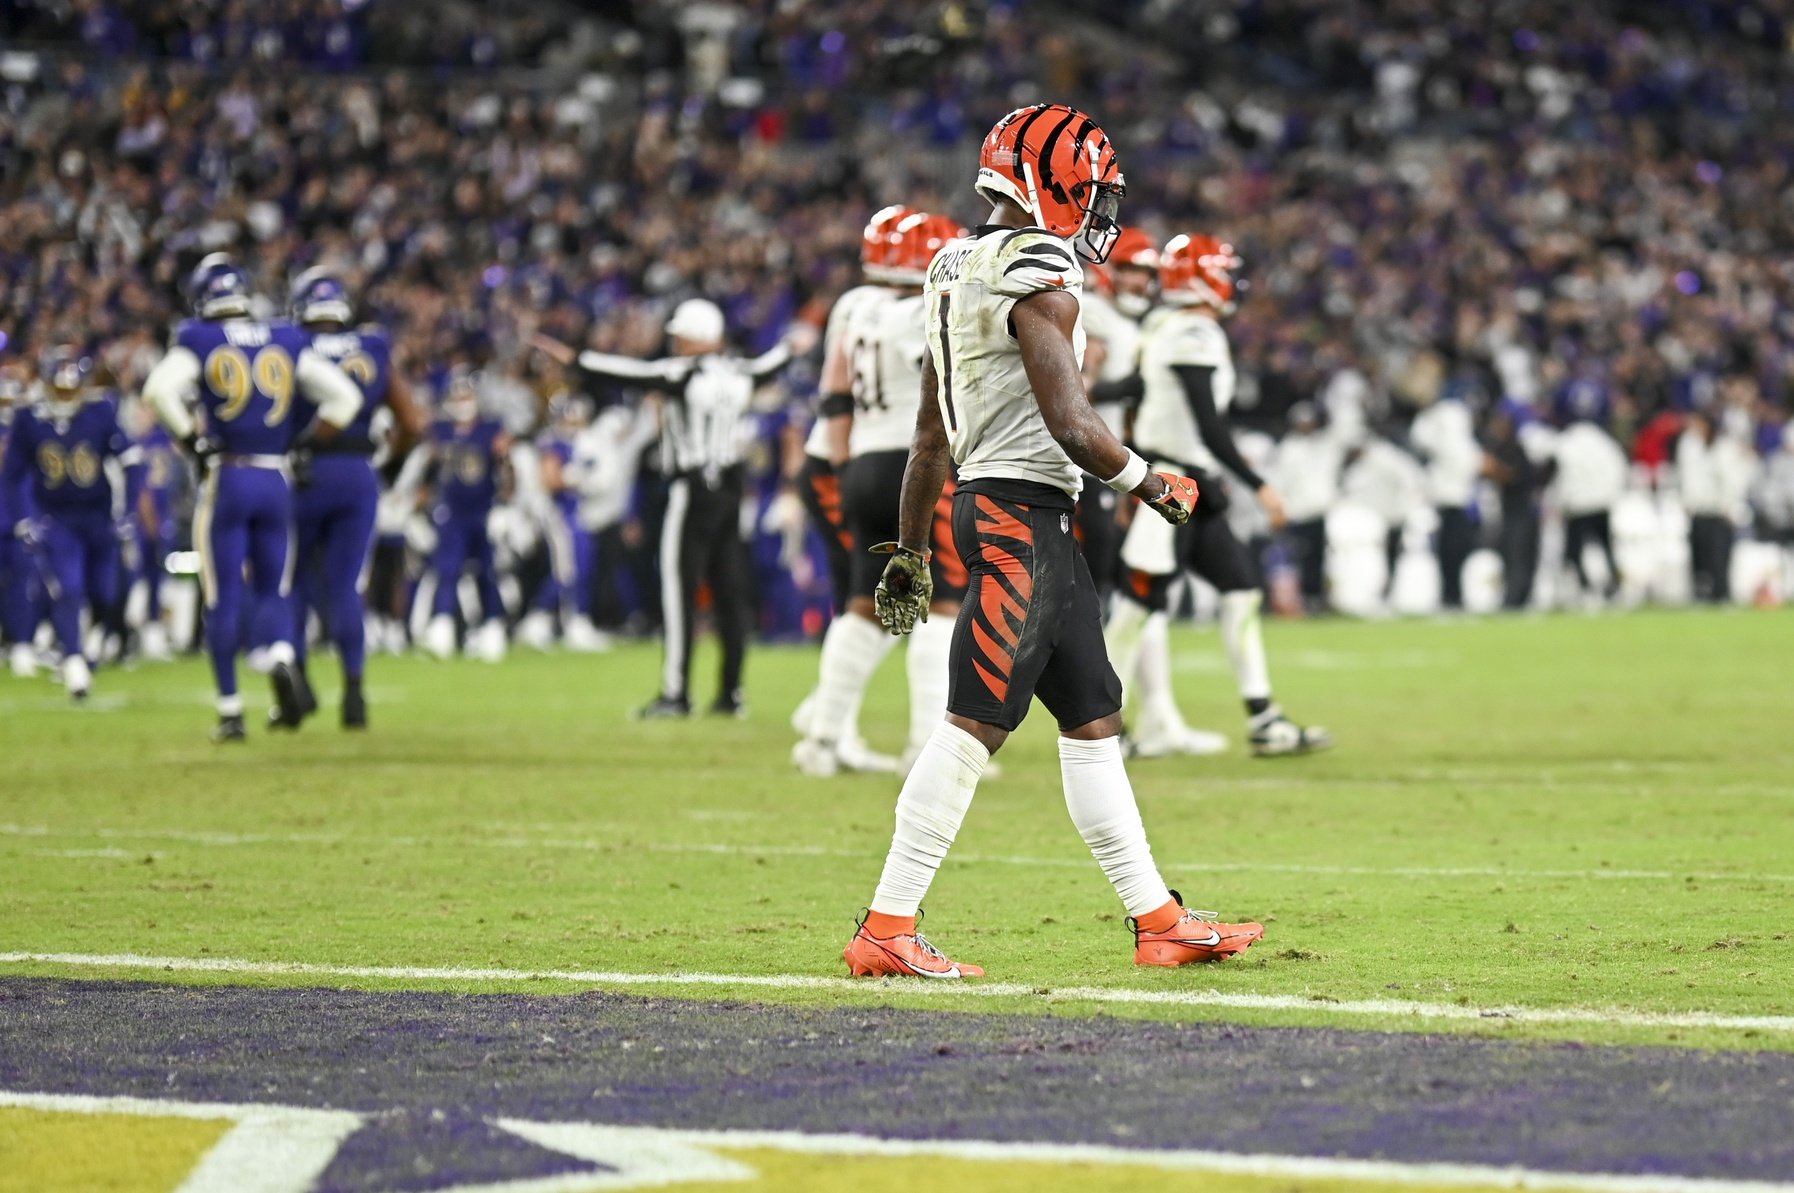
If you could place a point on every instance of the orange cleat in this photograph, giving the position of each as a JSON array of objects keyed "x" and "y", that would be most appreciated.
[
  {"x": 1197, "y": 936},
  {"x": 906, "y": 955}
]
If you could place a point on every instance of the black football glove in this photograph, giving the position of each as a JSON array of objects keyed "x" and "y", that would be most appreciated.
[
  {"x": 202, "y": 450},
  {"x": 905, "y": 590}
]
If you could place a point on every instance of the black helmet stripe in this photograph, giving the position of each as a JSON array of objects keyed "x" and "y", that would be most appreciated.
[
  {"x": 1046, "y": 157},
  {"x": 1021, "y": 134}
]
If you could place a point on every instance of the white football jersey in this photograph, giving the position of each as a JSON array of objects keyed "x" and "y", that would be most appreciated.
[
  {"x": 841, "y": 317},
  {"x": 993, "y": 420},
  {"x": 887, "y": 345},
  {"x": 1120, "y": 337},
  {"x": 1165, "y": 427}
]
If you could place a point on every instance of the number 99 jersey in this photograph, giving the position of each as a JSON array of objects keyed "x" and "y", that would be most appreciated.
[
  {"x": 247, "y": 381},
  {"x": 992, "y": 417}
]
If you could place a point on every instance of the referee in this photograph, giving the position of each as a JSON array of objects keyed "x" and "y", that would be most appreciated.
[{"x": 706, "y": 393}]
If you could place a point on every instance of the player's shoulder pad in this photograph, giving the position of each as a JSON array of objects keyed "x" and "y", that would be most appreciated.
[
  {"x": 1029, "y": 260},
  {"x": 1191, "y": 338}
]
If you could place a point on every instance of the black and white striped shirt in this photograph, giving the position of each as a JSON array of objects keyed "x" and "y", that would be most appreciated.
[{"x": 704, "y": 426}]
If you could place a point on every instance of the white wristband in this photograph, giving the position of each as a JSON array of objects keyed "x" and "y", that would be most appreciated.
[{"x": 1129, "y": 478}]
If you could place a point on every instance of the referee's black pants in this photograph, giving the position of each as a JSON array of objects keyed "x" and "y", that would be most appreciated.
[{"x": 700, "y": 540}]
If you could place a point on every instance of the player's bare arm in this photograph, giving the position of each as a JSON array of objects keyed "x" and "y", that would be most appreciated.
[
  {"x": 926, "y": 473},
  {"x": 907, "y": 588}
]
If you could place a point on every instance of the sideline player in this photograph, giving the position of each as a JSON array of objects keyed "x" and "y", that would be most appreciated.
[
  {"x": 885, "y": 344},
  {"x": 246, "y": 372},
  {"x": 339, "y": 495},
  {"x": 1187, "y": 371},
  {"x": 1002, "y": 397},
  {"x": 64, "y": 444}
]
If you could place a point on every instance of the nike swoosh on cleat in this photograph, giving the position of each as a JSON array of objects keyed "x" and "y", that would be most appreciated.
[{"x": 1214, "y": 938}]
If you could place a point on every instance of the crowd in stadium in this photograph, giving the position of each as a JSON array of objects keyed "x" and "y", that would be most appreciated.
[{"x": 1480, "y": 257}]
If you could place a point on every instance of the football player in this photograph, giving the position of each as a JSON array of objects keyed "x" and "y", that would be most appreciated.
[
  {"x": 468, "y": 450},
  {"x": 155, "y": 529},
  {"x": 1188, "y": 377},
  {"x": 1003, "y": 398},
  {"x": 572, "y": 550},
  {"x": 18, "y": 570},
  {"x": 884, "y": 345},
  {"x": 1112, "y": 310},
  {"x": 826, "y": 453},
  {"x": 64, "y": 444},
  {"x": 339, "y": 494},
  {"x": 246, "y": 373}
]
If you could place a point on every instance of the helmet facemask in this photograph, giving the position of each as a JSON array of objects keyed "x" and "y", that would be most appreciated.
[{"x": 1101, "y": 226}]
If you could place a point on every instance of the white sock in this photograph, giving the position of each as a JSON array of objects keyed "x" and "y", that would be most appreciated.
[
  {"x": 1101, "y": 802},
  {"x": 1158, "y": 711},
  {"x": 929, "y": 812},
  {"x": 1127, "y": 620},
  {"x": 282, "y": 652},
  {"x": 851, "y": 651},
  {"x": 230, "y": 706},
  {"x": 1241, "y": 629},
  {"x": 930, "y": 644}
]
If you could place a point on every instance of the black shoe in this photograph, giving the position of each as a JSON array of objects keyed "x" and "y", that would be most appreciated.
[
  {"x": 729, "y": 704},
  {"x": 229, "y": 729},
  {"x": 664, "y": 708},
  {"x": 355, "y": 707},
  {"x": 293, "y": 700}
]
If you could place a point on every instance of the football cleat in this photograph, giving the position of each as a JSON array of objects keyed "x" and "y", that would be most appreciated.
[
  {"x": 664, "y": 708},
  {"x": 488, "y": 643},
  {"x": 439, "y": 637},
  {"x": 1176, "y": 739},
  {"x": 355, "y": 706},
  {"x": 908, "y": 955},
  {"x": 152, "y": 643},
  {"x": 1273, "y": 735},
  {"x": 23, "y": 660},
  {"x": 855, "y": 755},
  {"x": 293, "y": 701},
  {"x": 584, "y": 637},
  {"x": 729, "y": 704},
  {"x": 1197, "y": 936},
  {"x": 77, "y": 677},
  {"x": 229, "y": 729},
  {"x": 818, "y": 759},
  {"x": 536, "y": 631}
]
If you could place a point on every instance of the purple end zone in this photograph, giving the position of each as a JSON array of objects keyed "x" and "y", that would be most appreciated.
[{"x": 434, "y": 1065}]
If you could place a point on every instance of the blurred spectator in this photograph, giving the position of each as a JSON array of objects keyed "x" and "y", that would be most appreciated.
[
  {"x": 1388, "y": 481},
  {"x": 1701, "y": 481},
  {"x": 1518, "y": 480},
  {"x": 1305, "y": 469},
  {"x": 1446, "y": 440},
  {"x": 1590, "y": 478}
]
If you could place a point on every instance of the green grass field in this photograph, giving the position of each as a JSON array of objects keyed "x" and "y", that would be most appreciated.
[{"x": 1535, "y": 813}]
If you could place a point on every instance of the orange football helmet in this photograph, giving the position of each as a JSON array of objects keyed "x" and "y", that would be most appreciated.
[
  {"x": 1134, "y": 246},
  {"x": 1197, "y": 270},
  {"x": 915, "y": 240},
  {"x": 878, "y": 241},
  {"x": 1054, "y": 163}
]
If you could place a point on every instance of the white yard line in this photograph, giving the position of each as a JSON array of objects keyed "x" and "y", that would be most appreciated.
[
  {"x": 724, "y": 849},
  {"x": 300, "y": 1142},
  {"x": 1383, "y": 1007}
]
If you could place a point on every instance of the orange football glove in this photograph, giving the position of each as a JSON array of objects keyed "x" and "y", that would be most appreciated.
[{"x": 1178, "y": 501}]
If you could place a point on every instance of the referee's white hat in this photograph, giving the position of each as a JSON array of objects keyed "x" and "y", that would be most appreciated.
[{"x": 697, "y": 319}]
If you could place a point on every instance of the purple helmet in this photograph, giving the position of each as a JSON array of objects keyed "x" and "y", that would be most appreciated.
[
  {"x": 317, "y": 296},
  {"x": 218, "y": 289}
]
